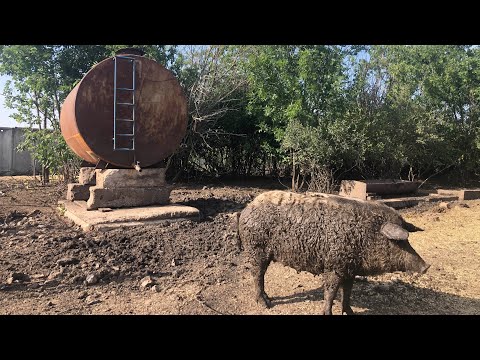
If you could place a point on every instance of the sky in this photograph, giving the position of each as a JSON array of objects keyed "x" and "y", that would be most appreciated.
[{"x": 5, "y": 120}]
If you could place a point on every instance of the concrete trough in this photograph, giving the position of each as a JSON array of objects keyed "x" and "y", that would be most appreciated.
[
  {"x": 463, "y": 194},
  {"x": 360, "y": 189}
]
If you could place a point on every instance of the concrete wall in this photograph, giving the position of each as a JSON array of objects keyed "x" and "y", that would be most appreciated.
[{"x": 13, "y": 162}]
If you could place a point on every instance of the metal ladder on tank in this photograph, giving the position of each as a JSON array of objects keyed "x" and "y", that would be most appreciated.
[{"x": 116, "y": 120}]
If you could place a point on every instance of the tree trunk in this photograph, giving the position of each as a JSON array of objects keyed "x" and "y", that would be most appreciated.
[
  {"x": 293, "y": 171},
  {"x": 45, "y": 175},
  {"x": 274, "y": 167},
  {"x": 264, "y": 164}
]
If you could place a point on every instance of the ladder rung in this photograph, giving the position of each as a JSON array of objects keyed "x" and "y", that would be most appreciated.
[
  {"x": 130, "y": 146},
  {"x": 124, "y": 57}
]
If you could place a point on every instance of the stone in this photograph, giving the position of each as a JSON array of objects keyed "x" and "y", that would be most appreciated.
[
  {"x": 470, "y": 194},
  {"x": 352, "y": 188},
  {"x": 78, "y": 279},
  {"x": 55, "y": 274},
  {"x": 62, "y": 238},
  {"x": 82, "y": 295},
  {"x": 130, "y": 178},
  {"x": 444, "y": 205},
  {"x": 177, "y": 273},
  {"x": 139, "y": 216},
  {"x": 92, "y": 300},
  {"x": 155, "y": 288},
  {"x": 34, "y": 213},
  {"x": 19, "y": 277},
  {"x": 78, "y": 192},
  {"x": 91, "y": 279},
  {"x": 87, "y": 176},
  {"x": 51, "y": 283},
  {"x": 128, "y": 197},
  {"x": 465, "y": 194},
  {"x": 146, "y": 282},
  {"x": 38, "y": 276},
  {"x": 68, "y": 261}
]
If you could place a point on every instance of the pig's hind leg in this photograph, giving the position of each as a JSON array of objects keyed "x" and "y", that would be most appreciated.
[
  {"x": 331, "y": 284},
  {"x": 260, "y": 264},
  {"x": 346, "y": 286}
]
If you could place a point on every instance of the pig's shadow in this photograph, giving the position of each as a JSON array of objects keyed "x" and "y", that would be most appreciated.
[{"x": 401, "y": 298}]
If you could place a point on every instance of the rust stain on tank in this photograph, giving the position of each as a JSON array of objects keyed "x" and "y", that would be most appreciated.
[{"x": 86, "y": 118}]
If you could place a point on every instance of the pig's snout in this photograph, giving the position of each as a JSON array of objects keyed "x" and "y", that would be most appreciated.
[{"x": 425, "y": 268}]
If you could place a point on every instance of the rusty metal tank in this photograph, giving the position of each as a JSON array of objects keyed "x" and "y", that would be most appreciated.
[{"x": 127, "y": 110}]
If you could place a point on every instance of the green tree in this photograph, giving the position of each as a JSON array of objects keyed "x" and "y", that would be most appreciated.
[
  {"x": 298, "y": 93},
  {"x": 433, "y": 98}
]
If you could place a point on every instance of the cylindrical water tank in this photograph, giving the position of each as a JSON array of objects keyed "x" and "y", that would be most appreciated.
[{"x": 100, "y": 114}]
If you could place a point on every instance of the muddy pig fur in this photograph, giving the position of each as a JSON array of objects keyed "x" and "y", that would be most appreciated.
[{"x": 325, "y": 234}]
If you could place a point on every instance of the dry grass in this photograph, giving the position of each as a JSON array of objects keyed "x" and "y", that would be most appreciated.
[{"x": 451, "y": 243}]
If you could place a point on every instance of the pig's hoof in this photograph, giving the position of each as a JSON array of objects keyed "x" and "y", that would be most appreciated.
[
  {"x": 327, "y": 312},
  {"x": 264, "y": 301},
  {"x": 347, "y": 311}
]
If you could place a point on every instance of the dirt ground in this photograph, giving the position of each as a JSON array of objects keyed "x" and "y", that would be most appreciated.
[{"x": 48, "y": 266}]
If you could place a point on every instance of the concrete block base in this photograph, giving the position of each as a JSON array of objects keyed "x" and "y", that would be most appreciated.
[
  {"x": 354, "y": 189},
  {"x": 139, "y": 216},
  {"x": 465, "y": 194},
  {"x": 404, "y": 202},
  {"x": 470, "y": 194},
  {"x": 117, "y": 188},
  {"x": 78, "y": 192},
  {"x": 87, "y": 176},
  {"x": 124, "y": 197},
  {"x": 129, "y": 178}
]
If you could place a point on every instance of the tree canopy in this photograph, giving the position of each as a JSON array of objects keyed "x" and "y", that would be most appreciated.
[{"x": 316, "y": 113}]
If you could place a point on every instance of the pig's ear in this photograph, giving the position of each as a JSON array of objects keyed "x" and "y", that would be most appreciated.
[{"x": 394, "y": 232}]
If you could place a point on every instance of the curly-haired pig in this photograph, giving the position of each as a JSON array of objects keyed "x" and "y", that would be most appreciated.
[{"x": 340, "y": 237}]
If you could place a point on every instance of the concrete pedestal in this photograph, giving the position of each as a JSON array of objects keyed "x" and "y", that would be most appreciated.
[
  {"x": 117, "y": 188},
  {"x": 78, "y": 192},
  {"x": 128, "y": 197},
  {"x": 139, "y": 216}
]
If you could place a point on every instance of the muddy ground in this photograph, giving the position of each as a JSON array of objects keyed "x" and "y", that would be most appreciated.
[{"x": 48, "y": 266}]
